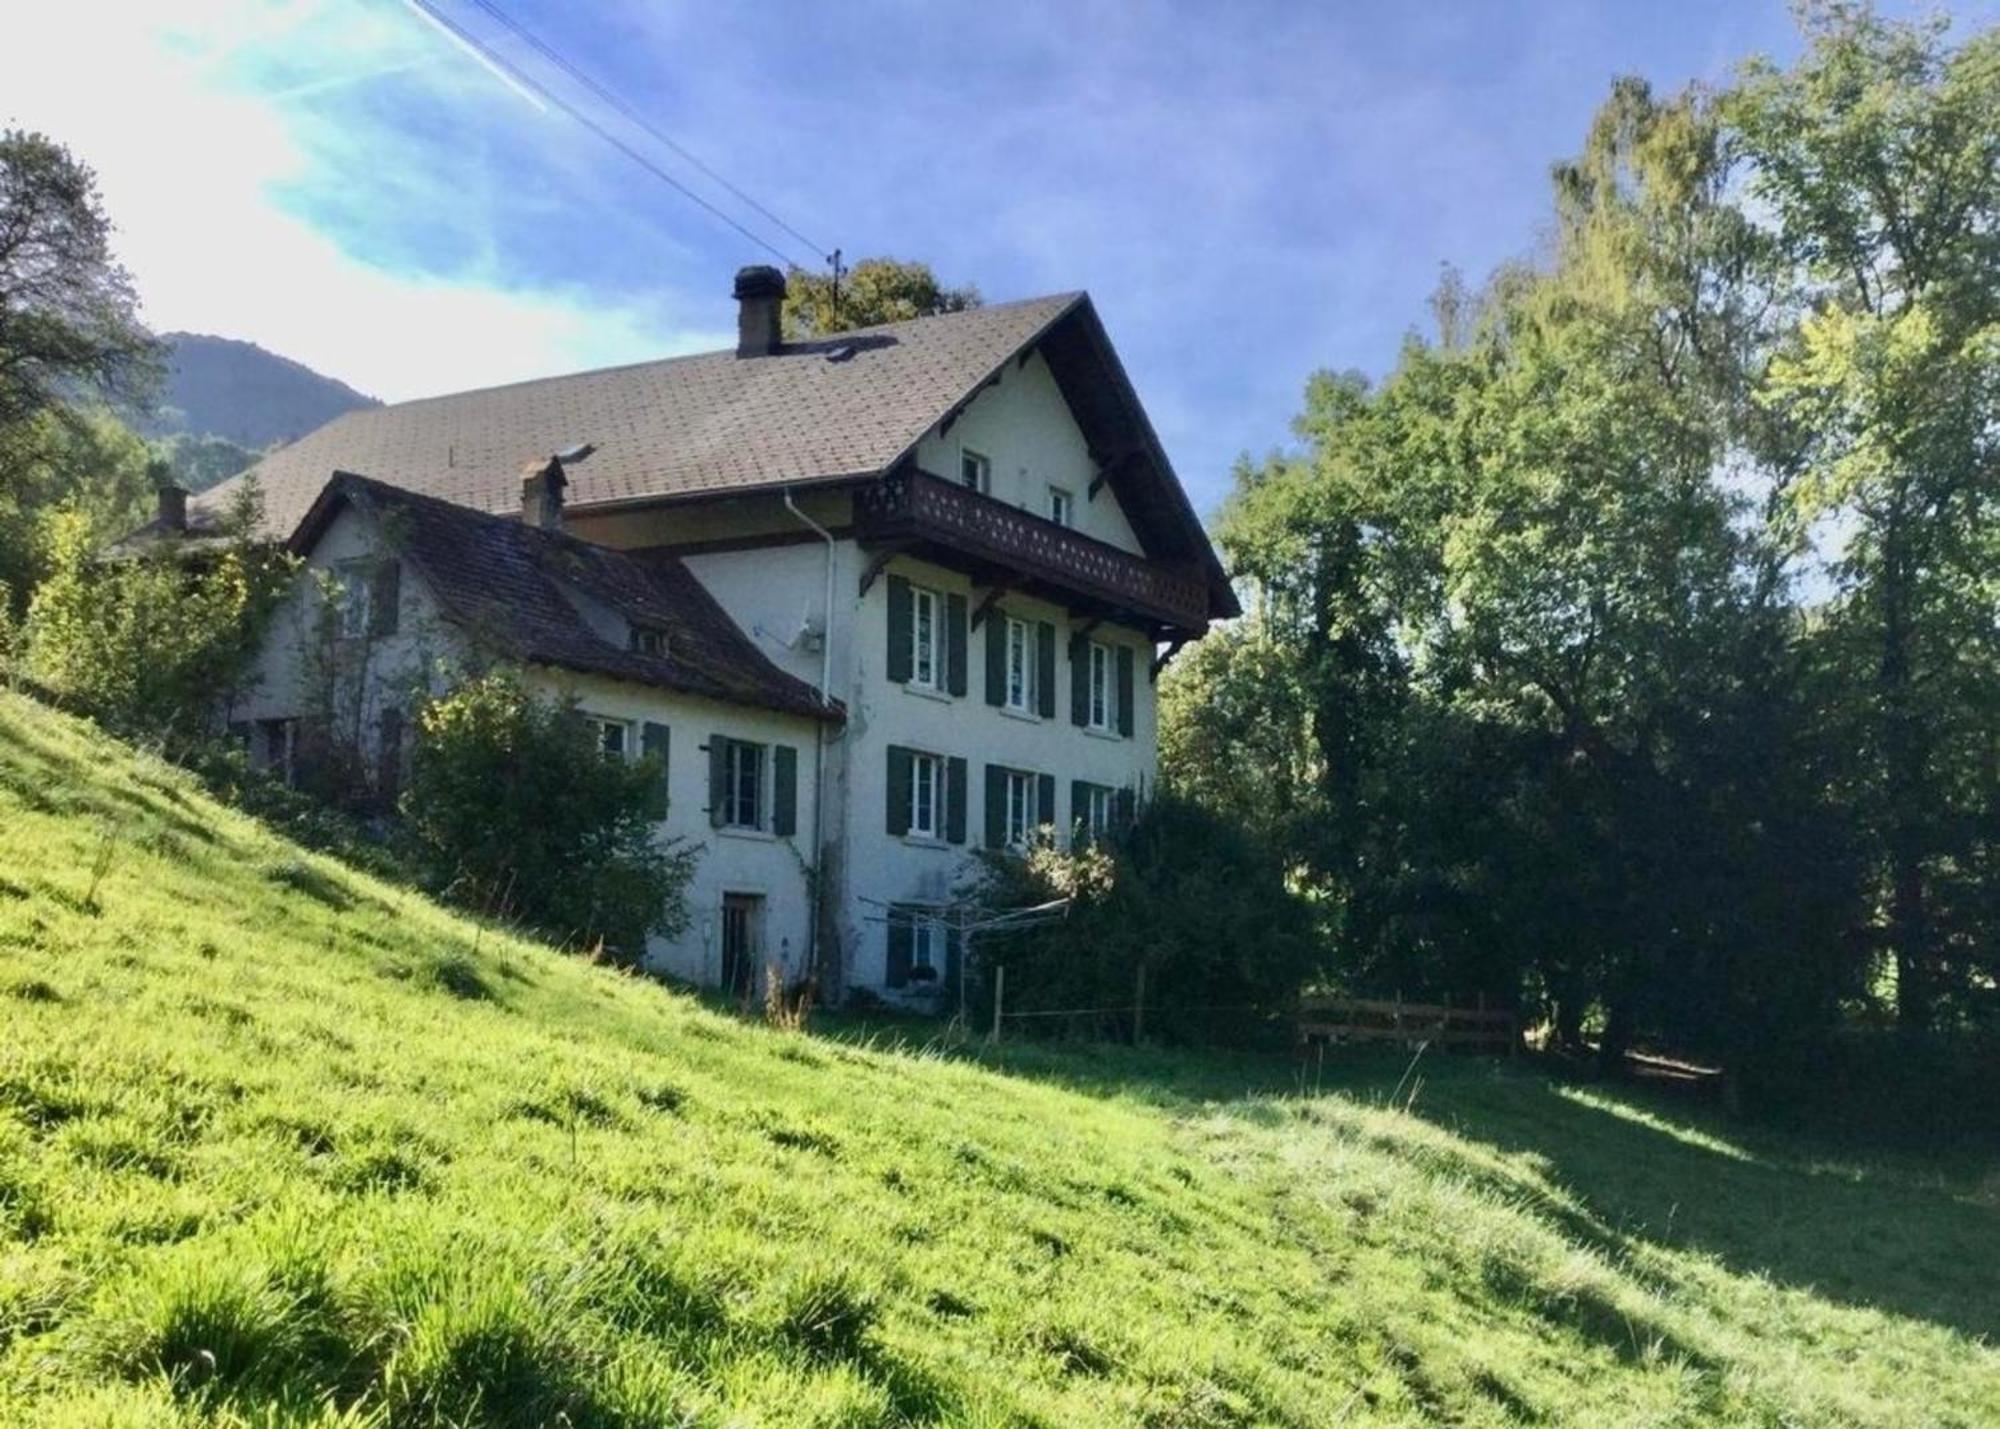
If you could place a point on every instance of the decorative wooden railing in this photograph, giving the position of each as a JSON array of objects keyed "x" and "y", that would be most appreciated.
[
  {"x": 916, "y": 505},
  {"x": 1474, "y": 1027}
]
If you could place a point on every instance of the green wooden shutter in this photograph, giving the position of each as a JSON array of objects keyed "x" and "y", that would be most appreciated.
[
  {"x": 996, "y": 658},
  {"x": 718, "y": 778},
  {"x": 954, "y": 800},
  {"x": 1079, "y": 811},
  {"x": 654, "y": 742},
  {"x": 1079, "y": 680},
  {"x": 1045, "y": 668},
  {"x": 899, "y": 630},
  {"x": 996, "y": 806},
  {"x": 1125, "y": 690},
  {"x": 900, "y": 937},
  {"x": 954, "y": 644},
  {"x": 385, "y": 598},
  {"x": 1124, "y": 808},
  {"x": 899, "y": 790},
  {"x": 784, "y": 790},
  {"x": 1045, "y": 799},
  {"x": 953, "y": 964}
]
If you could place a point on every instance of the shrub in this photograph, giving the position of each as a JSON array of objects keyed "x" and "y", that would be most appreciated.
[
  {"x": 1182, "y": 892},
  {"x": 515, "y": 812},
  {"x": 149, "y": 646}
]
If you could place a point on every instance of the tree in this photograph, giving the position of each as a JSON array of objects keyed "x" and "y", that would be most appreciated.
[
  {"x": 1873, "y": 161},
  {"x": 68, "y": 314},
  {"x": 152, "y": 645},
  {"x": 874, "y": 290},
  {"x": 517, "y": 813},
  {"x": 84, "y": 461}
]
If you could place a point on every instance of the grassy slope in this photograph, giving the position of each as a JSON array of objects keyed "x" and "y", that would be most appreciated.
[{"x": 282, "y": 1144}]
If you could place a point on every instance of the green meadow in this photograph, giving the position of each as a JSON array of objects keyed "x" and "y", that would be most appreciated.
[{"x": 284, "y": 1144}]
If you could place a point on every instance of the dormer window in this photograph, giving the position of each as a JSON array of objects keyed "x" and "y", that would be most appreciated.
[{"x": 648, "y": 640}]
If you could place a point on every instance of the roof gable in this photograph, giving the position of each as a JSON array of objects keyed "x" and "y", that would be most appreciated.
[{"x": 507, "y": 587}]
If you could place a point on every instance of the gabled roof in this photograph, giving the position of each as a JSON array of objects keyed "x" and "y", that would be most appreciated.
[
  {"x": 842, "y": 408},
  {"x": 502, "y": 584}
]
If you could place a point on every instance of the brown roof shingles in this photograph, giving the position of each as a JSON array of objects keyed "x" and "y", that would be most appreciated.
[
  {"x": 846, "y": 406},
  {"x": 501, "y": 583}
]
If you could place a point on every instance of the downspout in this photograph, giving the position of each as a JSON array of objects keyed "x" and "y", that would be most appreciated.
[{"x": 819, "y": 741}]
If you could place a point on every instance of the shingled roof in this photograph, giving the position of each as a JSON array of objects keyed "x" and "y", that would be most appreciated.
[
  {"x": 501, "y": 583},
  {"x": 846, "y": 406}
]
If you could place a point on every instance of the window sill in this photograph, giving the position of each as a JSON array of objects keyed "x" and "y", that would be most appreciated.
[
  {"x": 1111, "y": 734},
  {"x": 929, "y": 841},
  {"x": 926, "y": 692},
  {"x": 1025, "y": 716},
  {"x": 761, "y": 836}
]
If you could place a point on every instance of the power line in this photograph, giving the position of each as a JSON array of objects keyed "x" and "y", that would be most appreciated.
[
  {"x": 619, "y": 103},
  {"x": 514, "y": 72}
]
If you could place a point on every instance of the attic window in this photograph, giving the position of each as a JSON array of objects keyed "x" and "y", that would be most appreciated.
[{"x": 648, "y": 640}]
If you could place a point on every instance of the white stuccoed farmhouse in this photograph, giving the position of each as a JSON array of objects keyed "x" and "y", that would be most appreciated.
[{"x": 877, "y": 599}]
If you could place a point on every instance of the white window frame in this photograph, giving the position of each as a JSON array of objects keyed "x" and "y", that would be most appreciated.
[
  {"x": 926, "y": 651},
  {"x": 1019, "y": 823},
  {"x": 1062, "y": 506},
  {"x": 979, "y": 466},
  {"x": 1019, "y": 638},
  {"x": 929, "y": 944},
  {"x": 927, "y": 795},
  {"x": 603, "y": 727},
  {"x": 357, "y": 597},
  {"x": 1097, "y": 814},
  {"x": 1101, "y": 687},
  {"x": 736, "y": 755}
]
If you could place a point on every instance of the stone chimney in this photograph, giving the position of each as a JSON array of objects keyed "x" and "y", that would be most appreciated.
[
  {"x": 172, "y": 510},
  {"x": 542, "y": 483},
  {"x": 760, "y": 303}
]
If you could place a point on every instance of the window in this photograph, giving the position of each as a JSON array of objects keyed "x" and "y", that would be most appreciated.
[
  {"x": 613, "y": 737},
  {"x": 1020, "y": 666},
  {"x": 926, "y": 631},
  {"x": 1100, "y": 707},
  {"x": 926, "y": 796},
  {"x": 354, "y": 577},
  {"x": 975, "y": 471},
  {"x": 1062, "y": 506},
  {"x": 1020, "y": 821},
  {"x": 926, "y": 948},
  {"x": 1096, "y": 814},
  {"x": 645, "y": 640},
  {"x": 742, "y": 789},
  {"x": 919, "y": 946}
]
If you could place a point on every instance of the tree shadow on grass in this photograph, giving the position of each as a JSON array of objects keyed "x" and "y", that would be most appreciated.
[{"x": 1644, "y": 1167}]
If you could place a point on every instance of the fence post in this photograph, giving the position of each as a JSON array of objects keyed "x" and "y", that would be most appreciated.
[
  {"x": 1139, "y": 1007},
  {"x": 1396, "y": 1021},
  {"x": 999, "y": 993}
]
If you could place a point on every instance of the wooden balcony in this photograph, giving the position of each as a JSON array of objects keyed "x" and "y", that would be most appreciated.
[{"x": 1003, "y": 544}]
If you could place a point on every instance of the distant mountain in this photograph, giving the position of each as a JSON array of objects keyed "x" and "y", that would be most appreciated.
[{"x": 223, "y": 387}]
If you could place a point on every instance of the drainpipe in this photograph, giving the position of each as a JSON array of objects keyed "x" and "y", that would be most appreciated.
[{"x": 819, "y": 738}]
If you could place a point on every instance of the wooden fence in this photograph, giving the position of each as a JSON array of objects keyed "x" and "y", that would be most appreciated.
[{"x": 1361, "y": 1019}]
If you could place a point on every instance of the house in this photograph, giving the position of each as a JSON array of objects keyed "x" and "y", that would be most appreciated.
[{"x": 882, "y": 599}]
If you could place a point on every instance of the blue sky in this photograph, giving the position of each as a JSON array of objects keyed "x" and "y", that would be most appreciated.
[{"x": 1249, "y": 191}]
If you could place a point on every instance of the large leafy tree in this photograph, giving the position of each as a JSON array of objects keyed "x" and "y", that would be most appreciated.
[
  {"x": 1876, "y": 165},
  {"x": 68, "y": 313},
  {"x": 874, "y": 290}
]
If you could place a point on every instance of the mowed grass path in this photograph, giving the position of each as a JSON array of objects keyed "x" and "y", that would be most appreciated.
[{"x": 282, "y": 1144}]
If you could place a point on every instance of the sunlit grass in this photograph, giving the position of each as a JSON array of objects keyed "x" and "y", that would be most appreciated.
[{"x": 280, "y": 1144}]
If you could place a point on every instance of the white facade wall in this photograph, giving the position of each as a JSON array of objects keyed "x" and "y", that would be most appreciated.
[{"x": 1024, "y": 429}]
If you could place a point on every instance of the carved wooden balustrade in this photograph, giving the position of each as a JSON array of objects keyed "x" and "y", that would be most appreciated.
[{"x": 918, "y": 507}]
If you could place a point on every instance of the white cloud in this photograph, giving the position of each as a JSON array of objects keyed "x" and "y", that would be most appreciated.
[{"x": 189, "y": 165}]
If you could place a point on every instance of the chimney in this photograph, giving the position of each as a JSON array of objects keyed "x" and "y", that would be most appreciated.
[
  {"x": 760, "y": 302},
  {"x": 172, "y": 511},
  {"x": 542, "y": 483}
]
